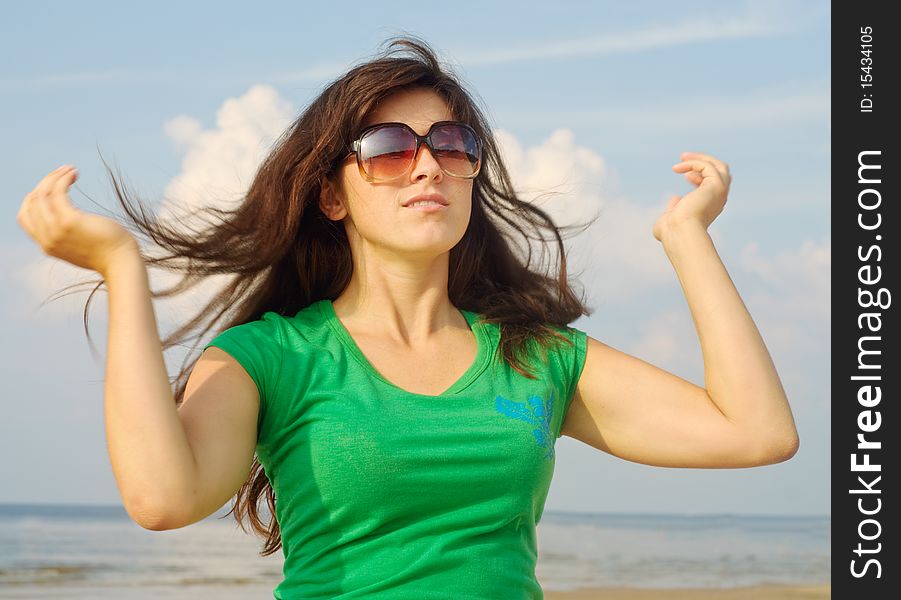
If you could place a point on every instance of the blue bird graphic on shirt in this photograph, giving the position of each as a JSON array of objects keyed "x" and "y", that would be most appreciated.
[{"x": 536, "y": 412}]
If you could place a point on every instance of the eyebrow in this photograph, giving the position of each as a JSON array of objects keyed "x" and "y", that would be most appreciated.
[{"x": 425, "y": 130}]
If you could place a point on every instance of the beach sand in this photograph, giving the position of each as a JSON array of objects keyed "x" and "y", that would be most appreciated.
[{"x": 759, "y": 592}]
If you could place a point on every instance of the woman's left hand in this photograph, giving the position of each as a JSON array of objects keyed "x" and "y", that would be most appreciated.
[{"x": 712, "y": 178}]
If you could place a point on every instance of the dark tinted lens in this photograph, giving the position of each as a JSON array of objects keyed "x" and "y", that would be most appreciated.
[
  {"x": 456, "y": 149},
  {"x": 386, "y": 152}
]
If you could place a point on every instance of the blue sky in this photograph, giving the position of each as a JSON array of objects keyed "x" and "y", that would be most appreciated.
[{"x": 594, "y": 100}]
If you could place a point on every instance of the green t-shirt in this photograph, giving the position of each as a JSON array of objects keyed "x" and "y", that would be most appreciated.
[{"x": 381, "y": 493}]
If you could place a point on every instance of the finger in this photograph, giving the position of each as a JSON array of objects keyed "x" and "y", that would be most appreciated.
[
  {"x": 694, "y": 178},
  {"x": 49, "y": 181},
  {"x": 59, "y": 201},
  {"x": 704, "y": 167},
  {"x": 23, "y": 208},
  {"x": 722, "y": 167},
  {"x": 37, "y": 219},
  {"x": 23, "y": 217},
  {"x": 31, "y": 215}
]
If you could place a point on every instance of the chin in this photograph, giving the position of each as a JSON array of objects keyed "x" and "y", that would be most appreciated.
[{"x": 429, "y": 247}]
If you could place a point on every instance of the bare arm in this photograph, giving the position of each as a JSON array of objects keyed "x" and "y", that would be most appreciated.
[
  {"x": 639, "y": 412},
  {"x": 149, "y": 450},
  {"x": 173, "y": 467}
]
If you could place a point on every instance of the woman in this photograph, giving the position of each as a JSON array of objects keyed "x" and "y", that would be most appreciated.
[{"x": 393, "y": 360}]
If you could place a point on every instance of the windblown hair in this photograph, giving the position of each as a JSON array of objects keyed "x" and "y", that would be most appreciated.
[{"x": 285, "y": 254}]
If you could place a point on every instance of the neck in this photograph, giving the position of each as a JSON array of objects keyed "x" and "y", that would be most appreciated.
[{"x": 404, "y": 299}]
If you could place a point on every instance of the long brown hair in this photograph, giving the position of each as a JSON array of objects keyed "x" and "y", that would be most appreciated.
[{"x": 285, "y": 254}]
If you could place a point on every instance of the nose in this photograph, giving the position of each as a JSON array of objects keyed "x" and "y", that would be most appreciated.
[{"x": 425, "y": 165}]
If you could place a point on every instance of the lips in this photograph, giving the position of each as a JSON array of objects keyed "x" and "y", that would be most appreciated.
[{"x": 426, "y": 200}]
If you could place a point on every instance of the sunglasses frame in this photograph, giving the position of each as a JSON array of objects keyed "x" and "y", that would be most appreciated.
[{"x": 420, "y": 140}]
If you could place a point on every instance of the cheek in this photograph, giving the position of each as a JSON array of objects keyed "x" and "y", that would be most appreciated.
[
  {"x": 358, "y": 201},
  {"x": 466, "y": 212},
  {"x": 367, "y": 213},
  {"x": 465, "y": 200}
]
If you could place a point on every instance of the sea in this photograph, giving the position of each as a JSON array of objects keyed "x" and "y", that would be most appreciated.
[{"x": 98, "y": 552}]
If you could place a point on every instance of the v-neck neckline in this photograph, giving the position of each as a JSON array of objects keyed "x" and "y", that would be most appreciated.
[{"x": 483, "y": 352}]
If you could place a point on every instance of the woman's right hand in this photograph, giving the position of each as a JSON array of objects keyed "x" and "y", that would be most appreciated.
[{"x": 63, "y": 231}]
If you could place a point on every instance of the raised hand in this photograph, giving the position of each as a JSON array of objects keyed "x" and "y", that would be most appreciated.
[
  {"x": 706, "y": 202},
  {"x": 63, "y": 231}
]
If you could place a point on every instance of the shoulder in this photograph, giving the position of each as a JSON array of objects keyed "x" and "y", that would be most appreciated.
[
  {"x": 267, "y": 328},
  {"x": 563, "y": 340},
  {"x": 307, "y": 320}
]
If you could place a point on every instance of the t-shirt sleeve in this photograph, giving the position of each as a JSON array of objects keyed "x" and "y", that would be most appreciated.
[
  {"x": 257, "y": 346},
  {"x": 571, "y": 362}
]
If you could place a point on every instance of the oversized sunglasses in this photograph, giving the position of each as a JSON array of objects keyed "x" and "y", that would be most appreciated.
[{"x": 387, "y": 150}]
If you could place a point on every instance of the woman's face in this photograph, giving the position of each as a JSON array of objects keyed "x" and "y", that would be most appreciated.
[{"x": 378, "y": 216}]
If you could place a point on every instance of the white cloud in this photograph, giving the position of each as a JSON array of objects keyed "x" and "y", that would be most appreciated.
[
  {"x": 24, "y": 267},
  {"x": 787, "y": 292},
  {"x": 619, "y": 247},
  {"x": 183, "y": 131},
  {"x": 793, "y": 314},
  {"x": 796, "y": 282},
  {"x": 217, "y": 167},
  {"x": 219, "y": 163},
  {"x": 787, "y": 295},
  {"x": 557, "y": 175},
  {"x": 659, "y": 338},
  {"x": 617, "y": 258},
  {"x": 791, "y": 304}
]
